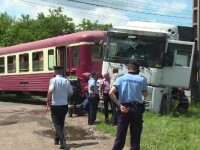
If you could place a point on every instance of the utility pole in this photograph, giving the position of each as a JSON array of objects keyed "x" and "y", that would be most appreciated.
[{"x": 195, "y": 78}]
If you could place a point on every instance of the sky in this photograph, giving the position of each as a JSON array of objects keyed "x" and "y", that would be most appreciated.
[{"x": 117, "y": 12}]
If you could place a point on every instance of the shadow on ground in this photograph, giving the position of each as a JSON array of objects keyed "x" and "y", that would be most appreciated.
[{"x": 26, "y": 99}]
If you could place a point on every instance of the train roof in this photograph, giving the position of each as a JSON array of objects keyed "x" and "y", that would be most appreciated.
[{"x": 84, "y": 36}]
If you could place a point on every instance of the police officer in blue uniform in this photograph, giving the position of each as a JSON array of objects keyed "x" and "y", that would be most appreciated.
[
  {"x": 57, "y": 99},
  {"x": 93, "y": 98},
  {"x": 131, "y": 88}
]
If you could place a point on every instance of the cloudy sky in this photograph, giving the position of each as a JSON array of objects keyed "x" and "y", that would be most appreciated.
[{"x": 117, "y": 12}]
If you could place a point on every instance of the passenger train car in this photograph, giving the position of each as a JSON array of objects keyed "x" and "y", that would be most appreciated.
[{"x": 29, "y": 67}]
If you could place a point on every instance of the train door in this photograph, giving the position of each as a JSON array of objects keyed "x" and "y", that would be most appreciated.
[{"x": 61, "y": 58}]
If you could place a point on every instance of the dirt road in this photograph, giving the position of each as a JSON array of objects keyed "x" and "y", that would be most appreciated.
[{"x": 26, "y": 127}]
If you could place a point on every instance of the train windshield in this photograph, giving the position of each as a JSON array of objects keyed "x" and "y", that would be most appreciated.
[{"x": 148, "y": 50}]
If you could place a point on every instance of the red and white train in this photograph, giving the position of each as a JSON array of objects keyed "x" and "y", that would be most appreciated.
[{"x": 28, "y": 67}]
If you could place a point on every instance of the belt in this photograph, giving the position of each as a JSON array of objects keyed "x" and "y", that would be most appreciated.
[
  {"x": 135, "y": 106},
  {"x": 132, "y": 104}
]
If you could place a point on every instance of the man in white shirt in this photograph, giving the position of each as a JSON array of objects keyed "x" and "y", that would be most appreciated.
[{"x": 59, "y": 91}]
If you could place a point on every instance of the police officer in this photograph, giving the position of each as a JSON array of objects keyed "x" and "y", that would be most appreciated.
[
  {"x": 115, "y": 109},
  {"x": 131, "y": 87},
  {"x": 57, "y": 99},
  {"x": 74, "y": 102},
  {"x": 93, "y": 98}
]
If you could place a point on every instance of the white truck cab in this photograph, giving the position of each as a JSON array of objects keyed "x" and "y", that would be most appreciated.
[{"x": 165, "y": 53}]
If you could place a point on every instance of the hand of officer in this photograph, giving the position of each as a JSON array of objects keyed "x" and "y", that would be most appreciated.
[
  {"x": 123, "y": 109},
  {"x": 49, "y": 103}
]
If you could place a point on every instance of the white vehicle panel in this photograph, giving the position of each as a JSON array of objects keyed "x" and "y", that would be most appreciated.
[{"x": 176, "y": 76}]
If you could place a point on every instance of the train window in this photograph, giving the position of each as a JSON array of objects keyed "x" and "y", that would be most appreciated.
[
  {"x": 97, "y": 53},
  {"x": 50, "y": 59},
  {"x": 37, "y": 61},
  {"x": 23, "y": 62},
  {"x": 11, "y": 64},
  {"x": 2, "y": 65},
  {"x": 75, "y": 56}
]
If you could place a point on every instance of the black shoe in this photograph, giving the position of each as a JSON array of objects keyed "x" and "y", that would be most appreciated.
[
  {"x": 113, "y": 124},
  {"x": 65, "y": 147},
  {"x": 90, "y": 123},
  {"x": 56, "y": 142}
]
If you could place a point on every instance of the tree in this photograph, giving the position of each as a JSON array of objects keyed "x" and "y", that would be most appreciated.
[
  {"x": 25, "y": 29},
  {"x": 53, "y": 25},
  {"x": 88, "y": 25},
  {"x": 5, "y": 22}
]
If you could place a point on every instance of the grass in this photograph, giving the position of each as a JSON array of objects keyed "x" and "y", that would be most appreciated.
[
  {"x": 13, "y": 97},
  {"x": 176, "y": 131},
  {"x": 22, "y": 98}
]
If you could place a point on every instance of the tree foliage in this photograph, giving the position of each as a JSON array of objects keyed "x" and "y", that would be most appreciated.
[
  {"x": 55, "y": 23},
  {"x": 5, "y": 23},
  {"x": 88, "y": 25}
]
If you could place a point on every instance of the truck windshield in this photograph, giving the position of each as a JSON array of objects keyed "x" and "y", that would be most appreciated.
[{"x": 148, "y": 52}]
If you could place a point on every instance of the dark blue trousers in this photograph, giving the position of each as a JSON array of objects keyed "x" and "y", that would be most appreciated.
[
  {"x": 115, "y": 113},
  {"x": 58, "y": 114},
  {"x": 133, "y": 118},
  {"x": 106, "y": 103},
  {"x": 93, "y": 107}
]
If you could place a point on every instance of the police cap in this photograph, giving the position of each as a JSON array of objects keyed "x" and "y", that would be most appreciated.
[
  {"x": 93, "y": 73},
  {"x": 57, "y": 67}
]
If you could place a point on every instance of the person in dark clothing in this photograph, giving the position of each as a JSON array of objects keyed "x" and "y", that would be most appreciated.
[
  {"x": 131, "y": 87},
  {"x": 104, "y": 88},
  {"x": 75, "y": 99},
  {"x": 57, "y": 99}
]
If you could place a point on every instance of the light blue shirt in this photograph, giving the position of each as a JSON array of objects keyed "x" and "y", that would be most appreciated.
[
  {"x": 92, "y": 82},
  {"x": 130, "y": 87},
  {"x": 61, "y": 88}
]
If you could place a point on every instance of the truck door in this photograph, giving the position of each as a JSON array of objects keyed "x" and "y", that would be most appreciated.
[
  {"x": 178, "y": 64},
  {"x": 61, "y": 58}
]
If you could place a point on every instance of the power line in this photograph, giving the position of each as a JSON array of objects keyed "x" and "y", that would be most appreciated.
[
  {"x": 99, "y": 5},
  {"x": 34, "y": 3},
  {"x": 77, "y": 12},
  {"x": 164, "y": 9},
  {"x": 159, "y": 5},
  {"x": 106, "y": 16},
  {"x": 89, "y": 14}
]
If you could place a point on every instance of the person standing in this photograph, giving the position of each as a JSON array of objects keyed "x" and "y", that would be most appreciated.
[
  {"x": 59, "y": 91},
  {"x": 104, "y": 88},
  {"x": 75, "y": 100},
  {"x": 115, "y": 108},
  {"x": 93, "y": 98},
  {"x": 131, "y": 86}
]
